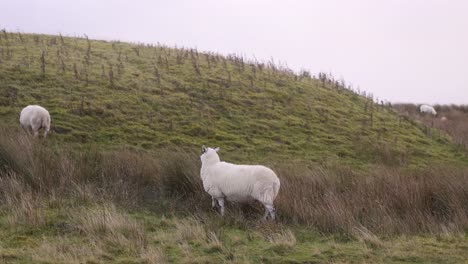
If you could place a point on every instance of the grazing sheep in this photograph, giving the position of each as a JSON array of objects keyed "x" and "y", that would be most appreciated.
[
  {"x": 238, "y": 183},
  {"x": 427, "y": 109},
  {"x": 33, "y": 118}
]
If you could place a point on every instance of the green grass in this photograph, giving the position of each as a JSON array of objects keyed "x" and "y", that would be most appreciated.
[
  {"x": 156, "y": 99},
  {"x": 66, "y": 201},
  {"x": 169, "y": 239}
]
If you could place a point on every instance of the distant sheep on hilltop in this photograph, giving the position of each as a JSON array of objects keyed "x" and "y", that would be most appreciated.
[
  {"x": 427, "y": 109},
  {"x": 34, "y": 118}
]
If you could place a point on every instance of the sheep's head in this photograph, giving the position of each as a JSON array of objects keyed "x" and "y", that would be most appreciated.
[{"x": 209, "y": 154}]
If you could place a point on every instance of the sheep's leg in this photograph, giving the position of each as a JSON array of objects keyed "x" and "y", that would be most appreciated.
[
  {"x": 273, "y": 213},
  {"x": 221, "y": 205},
  {"x": 35, "y": 127},
  {"x": 265, "y": 215},
  {"x": 27, "y": 130},
  {"x": 213, "y": 202},
  {"x": 269, "y": 210}
]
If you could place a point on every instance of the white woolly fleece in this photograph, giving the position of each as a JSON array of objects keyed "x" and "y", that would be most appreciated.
[
  {"x": 238, "y": 183},
  {"x": 35, "y": 117}
]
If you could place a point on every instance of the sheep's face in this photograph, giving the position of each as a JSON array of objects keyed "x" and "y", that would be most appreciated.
[{"x": 209, "y": 154}]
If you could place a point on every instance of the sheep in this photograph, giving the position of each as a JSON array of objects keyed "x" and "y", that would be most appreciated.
[
  {"x": 33, "y": 118},
  {"x": 443, "y": 119},
  {"x": 427, "y": 109},
  {"x": 238, "y": 183}
]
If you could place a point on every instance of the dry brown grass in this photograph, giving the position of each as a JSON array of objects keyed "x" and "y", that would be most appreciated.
[
  {"x": 364, "y": 235},
  {"x": 108, "y": 225},
  {"x": 188, "y": 230},
  {"x": 24, "y": 207},
  {"x": 284, "y": 238},
  {"x": 65, "y": 250},
  {"x": 333, "y": 199},
  {"x": 103, "y": 229},
  {"x": 153, "y": 256},
  {"x": 385, "y": 201}
]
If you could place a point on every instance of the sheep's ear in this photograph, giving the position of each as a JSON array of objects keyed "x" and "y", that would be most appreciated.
[
  {"x": 216, "y": 149},
  {"x": 203, "y": 148}
]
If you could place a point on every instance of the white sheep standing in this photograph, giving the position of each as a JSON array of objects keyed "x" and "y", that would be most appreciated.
[
  {"x": 427, "y": 109},
  {"x": 33, "y": 118},
  {"x": 238, "y": 183}
]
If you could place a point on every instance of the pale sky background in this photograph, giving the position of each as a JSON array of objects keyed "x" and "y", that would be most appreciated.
[{"x": 399, "y": 50}]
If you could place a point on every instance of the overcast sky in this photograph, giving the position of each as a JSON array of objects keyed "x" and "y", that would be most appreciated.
[{"x": 399, "y": 50}]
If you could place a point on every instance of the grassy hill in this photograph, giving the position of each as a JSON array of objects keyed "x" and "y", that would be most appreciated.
[
  {"x": 118, "y": 180},
  {"x": 153, "y": 96}
]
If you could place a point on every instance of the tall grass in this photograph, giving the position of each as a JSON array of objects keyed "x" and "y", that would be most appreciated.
[
  {"x": 383, "y": 200},
  {"x": 102, "y": 229},
  {"x": 330, "y": 199}
]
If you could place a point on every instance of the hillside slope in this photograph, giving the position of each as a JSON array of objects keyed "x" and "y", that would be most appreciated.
[
  {"x": 453, "y": 119},
  {"x": 114, "y": 94}
]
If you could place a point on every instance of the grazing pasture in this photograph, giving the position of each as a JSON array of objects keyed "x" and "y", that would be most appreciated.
[
  {"x": 118, "y": 179},
  {"x": 110, "y": 93}
]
